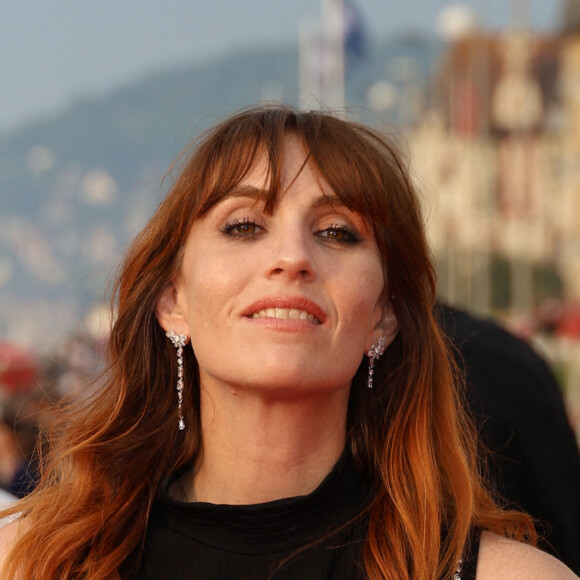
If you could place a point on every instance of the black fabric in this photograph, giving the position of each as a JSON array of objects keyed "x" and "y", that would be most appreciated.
[
  {"x": 205, "y": 541},
  {"x": 315, "y": 537},
  {"x": 469, "y": 561},
  {"x": 534, "y": 461}
]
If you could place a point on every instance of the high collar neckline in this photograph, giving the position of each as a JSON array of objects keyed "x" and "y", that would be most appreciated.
[{"x": 276, "y": 525}]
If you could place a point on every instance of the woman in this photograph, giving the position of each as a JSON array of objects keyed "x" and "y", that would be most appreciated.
[{"x": 243, "y": 432}]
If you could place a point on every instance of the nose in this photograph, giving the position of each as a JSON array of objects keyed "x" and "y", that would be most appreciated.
[{"x": 292, "y": 254}]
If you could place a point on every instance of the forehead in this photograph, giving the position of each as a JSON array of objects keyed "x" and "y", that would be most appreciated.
[
  {"x": 272, "y": 161},
  {"x": 294, "y": 166}
]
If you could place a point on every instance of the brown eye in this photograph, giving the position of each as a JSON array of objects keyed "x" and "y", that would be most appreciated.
[
  {"x": 244, "y": 229},
  {"x": 339, "y": 234}
]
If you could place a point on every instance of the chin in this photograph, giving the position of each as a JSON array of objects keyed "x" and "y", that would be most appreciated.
[{"x": 295, "y": 383}]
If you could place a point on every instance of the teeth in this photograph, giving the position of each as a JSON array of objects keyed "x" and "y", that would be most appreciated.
[{"x": 286, "y": 313}]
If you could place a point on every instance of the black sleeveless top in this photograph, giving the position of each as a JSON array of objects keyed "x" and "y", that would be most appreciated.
[{"x": 319, "y": 536}]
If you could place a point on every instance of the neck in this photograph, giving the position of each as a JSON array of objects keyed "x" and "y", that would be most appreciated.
[{"x": 258, "y": 449}]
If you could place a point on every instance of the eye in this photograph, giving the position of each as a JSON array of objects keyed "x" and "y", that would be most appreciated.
[
  {"x": 244, "y": 229},
  {"x": 340, "y": 234}
]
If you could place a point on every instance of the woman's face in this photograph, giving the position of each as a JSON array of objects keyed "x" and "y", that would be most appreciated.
[{"x": 286, "y": 303}]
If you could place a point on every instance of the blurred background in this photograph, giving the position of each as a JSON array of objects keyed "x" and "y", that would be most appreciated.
[{"x": 98, "y": 98}]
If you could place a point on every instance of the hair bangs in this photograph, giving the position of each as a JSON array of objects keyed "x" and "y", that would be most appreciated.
[
  {"x": 349, "y": 157},
  {"x": 349, "y": 163},
  {"x": 247, "y": 140}
]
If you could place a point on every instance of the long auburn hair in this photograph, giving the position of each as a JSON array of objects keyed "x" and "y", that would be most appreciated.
[{"x": 409, "y": 435}]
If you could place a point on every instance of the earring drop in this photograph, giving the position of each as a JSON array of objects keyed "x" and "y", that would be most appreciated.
[
  {"x": 179, "y": 341},
  {"x": 375, "y": 353}
]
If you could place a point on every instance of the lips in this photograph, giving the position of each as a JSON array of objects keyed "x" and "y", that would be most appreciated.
[{"x": 286, "y": 308}]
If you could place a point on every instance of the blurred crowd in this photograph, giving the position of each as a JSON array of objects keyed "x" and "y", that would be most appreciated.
[{"x": 31, "y": 387}]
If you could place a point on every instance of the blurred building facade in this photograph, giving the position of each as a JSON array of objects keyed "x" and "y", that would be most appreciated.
[{"x": 497, "y": 156}]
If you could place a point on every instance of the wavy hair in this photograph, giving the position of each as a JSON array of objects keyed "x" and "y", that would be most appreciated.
[{"x": 409, "y": 435}]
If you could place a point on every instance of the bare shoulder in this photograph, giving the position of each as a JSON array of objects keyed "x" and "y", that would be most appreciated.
[{"x": 505, "y": 559}]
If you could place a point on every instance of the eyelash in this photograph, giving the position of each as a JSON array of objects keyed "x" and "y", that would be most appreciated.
[
  {"x": 330, "y": 234},
  {"x": 232, "y": 229},
  {"x": 350, "y": 236}
]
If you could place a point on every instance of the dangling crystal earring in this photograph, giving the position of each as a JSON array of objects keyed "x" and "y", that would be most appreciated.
[
  {"x": 375, "y": 353},
  {"x": 179, "y": 341}
]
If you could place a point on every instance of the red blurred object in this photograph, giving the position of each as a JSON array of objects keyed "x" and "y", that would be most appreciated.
[
  {"x": 569, "y": 323},
  {"x": 19, "y": 369},
  {"x": 561, "y": 319}
]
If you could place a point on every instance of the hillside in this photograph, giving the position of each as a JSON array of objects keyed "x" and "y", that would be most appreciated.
[{"x": 74, "y": 187}]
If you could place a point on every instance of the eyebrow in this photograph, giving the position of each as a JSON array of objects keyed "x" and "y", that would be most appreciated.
[
  {"x": 258, "y": 193},
  {"x": 331, "y": 200},
  {"x": 247, "y": 191}
]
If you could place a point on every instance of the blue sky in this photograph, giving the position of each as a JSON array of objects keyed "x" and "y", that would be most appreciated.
[{"x": 53, "y": 52}]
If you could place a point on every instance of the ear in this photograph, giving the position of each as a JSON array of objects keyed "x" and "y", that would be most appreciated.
[
  {"x": 387, "y": 326},
  {"x": 169, "y": 312}
]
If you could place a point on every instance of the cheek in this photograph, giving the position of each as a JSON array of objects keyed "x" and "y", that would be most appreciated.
[
  {"x": 210, "y": 289},
  {"x": 364, "y": 292}
]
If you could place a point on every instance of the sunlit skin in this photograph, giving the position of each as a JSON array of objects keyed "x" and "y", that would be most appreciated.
[{"x": 275, "y": 383}]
